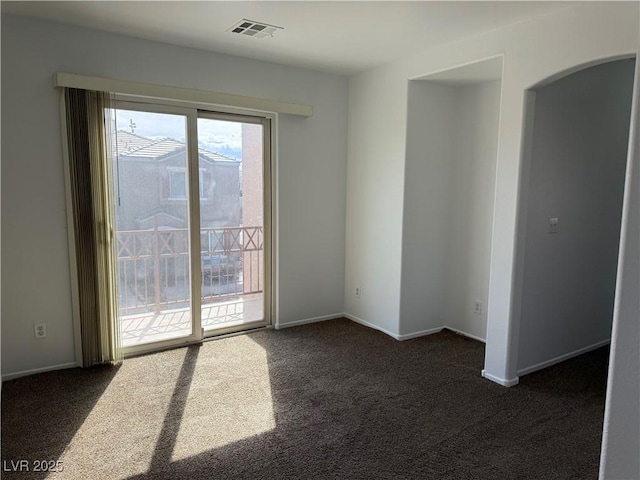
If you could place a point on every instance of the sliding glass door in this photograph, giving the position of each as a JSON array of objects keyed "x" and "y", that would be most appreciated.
[
  {"x": 152, "y": 223},
  {"x": 232, "y": 220},
  {"x": 192, "y": 223}
]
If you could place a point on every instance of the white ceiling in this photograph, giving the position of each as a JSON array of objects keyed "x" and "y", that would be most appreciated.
[{"x": 338, "y": 37}]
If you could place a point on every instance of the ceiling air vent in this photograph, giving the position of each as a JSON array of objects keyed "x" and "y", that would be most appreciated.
[{"x": 254, "y": 29}]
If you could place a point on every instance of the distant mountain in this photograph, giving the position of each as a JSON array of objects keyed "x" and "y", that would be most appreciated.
[{"x": 223, "y": 148}]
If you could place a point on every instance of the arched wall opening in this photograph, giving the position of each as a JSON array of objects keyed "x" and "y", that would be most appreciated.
[{"x": 575, "y": 144}]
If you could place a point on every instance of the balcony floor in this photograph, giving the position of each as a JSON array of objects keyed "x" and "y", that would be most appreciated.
[{"x": 169, "y": 324}]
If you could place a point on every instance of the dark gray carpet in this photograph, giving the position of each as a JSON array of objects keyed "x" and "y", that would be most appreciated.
[{"x": 328, "y": 400}]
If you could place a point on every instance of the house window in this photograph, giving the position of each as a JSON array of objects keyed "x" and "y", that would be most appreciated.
[{"x": 178, "y": 184}]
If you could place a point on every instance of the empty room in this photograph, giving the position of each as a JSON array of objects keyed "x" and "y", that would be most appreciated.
[{"x": 320, "y": 240}]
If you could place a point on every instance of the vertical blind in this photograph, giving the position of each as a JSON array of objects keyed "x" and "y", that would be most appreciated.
[{"x": 89, "y": 124}]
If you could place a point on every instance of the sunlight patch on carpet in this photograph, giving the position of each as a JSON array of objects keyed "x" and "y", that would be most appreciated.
[{"x": 229, "y": 398}]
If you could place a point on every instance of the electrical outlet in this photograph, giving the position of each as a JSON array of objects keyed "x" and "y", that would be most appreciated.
[
  {"x": 477, "y": 307},
  {"x": 40, "y": 330},
  {"x": 554, "y": 225},
  {"x": 358, "y": 292}
]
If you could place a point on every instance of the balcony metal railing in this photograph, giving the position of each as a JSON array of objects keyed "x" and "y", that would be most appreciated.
[{"x": 153, "y": 266}]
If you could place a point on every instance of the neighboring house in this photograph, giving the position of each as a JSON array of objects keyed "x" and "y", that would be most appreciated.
[{"x": 152, "y": 190}]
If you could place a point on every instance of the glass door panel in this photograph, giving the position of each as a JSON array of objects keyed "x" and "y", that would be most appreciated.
[
  {"x": 231, "y": 165},
  {"x": 152, "y": 221}
]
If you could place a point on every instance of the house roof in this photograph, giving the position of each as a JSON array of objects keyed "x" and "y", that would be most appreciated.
[
  {"x": 132, "y": 145},
  {"x": 158, "y": 148},
  {"x": 215, "y": 157},
  {"x": 128, "y": 142}
]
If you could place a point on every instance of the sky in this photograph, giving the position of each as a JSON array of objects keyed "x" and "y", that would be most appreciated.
[{"x": 214, "y": 135}]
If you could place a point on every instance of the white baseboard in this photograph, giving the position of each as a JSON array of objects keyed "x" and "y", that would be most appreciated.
[
  {"x": 370, "y": 325},
  {"x": 465, "y": 334},
  {"x": 562, "y": 358},
  {"x": 397, "y": 336},
  {"x": 500, "y": 381},
  {"x": 305, "y": 321},
  {"x": 24, "y": 373},
  {"x": 421, "y": 333}
]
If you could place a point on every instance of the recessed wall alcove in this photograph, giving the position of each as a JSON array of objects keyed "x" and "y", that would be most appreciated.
[{"x": 452, "y": 141}]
